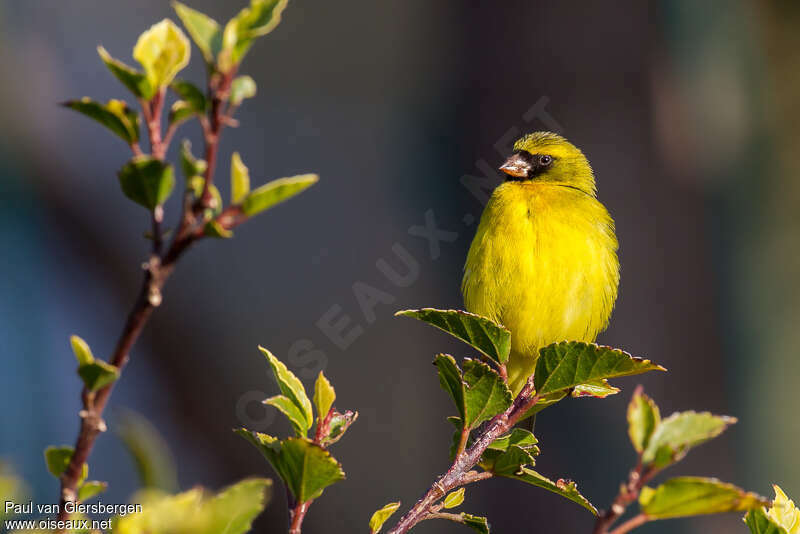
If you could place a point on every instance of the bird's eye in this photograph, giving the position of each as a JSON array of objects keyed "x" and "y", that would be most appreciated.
[{"x": 545, "y": 160}]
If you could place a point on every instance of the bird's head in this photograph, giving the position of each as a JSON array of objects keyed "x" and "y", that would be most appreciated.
[{"x": 545, "y": 157}]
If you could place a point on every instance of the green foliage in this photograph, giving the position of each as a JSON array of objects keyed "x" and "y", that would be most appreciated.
[
  {"x": 231, "y": 511},
  {"x": 476, "y": 523},
  {"x": 303, "y": 464},
  {"x": 568, "y": 364},
  {"x": 292, "y": 388},
  {"x": 688, "y": 496},
  {"x": 759, "y": 522},
  {"x": 306, "y": 468},
  {"x": 478, "y": 392},
  {"x": 94, "y": 373},
  {"x": 275, "y": 192},
  {"x": 147, "y": 181},
  {"x": 240, "y": 179},
  {"x": 81, "y": 350},
  {"x": 643, "y": 418},
  {"x": 674, "y": 436},
  {"x": 215, "y": 229},
  {"x": 154, "y": 461},
  {"x": 204, "y": 30},
  {"x": 454, "y": 499},
  {"x": 115, "y": 115},
  {"x": 91, "y": 488},
  {"x": 192, "y": 102},
  {"x": 58, "y": 458},
  {"x": 486, "y": 336},
  {"x": 324, "y": 395},
  {"x": 259, "y": 19},
  {"x": 565, "y": 488},
  {"x": 783, "y": 517},
  {"x": 163, "y": 51},
  {"x": 134, "y": 80},
  {"x": 295, "y": 416},
  {"x": 98, "y": 374},
  {"x": 381, "y": 515},
  {"x": 190, "y": 165},
  {"x": 242, "y": 87}
]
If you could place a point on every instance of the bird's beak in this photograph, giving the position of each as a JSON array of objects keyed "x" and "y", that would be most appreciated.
[{"x": 516, "y": 167}]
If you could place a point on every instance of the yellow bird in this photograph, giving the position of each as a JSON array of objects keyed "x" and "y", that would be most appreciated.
[{"x": 544, "y": 258}]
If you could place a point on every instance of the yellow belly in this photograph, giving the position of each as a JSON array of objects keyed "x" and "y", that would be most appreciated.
[{"x": 544, "y": 264}]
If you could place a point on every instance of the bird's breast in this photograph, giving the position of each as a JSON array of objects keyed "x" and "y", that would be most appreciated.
[{"x": 543, "y": 263}]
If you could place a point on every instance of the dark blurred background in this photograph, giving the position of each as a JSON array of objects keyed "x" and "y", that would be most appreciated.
[{"x": 687, "y": 111}]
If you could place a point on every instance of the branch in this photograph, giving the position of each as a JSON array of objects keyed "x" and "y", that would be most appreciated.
[
  {"x": 157, "y": 270},
  {"x": 628, "y": 493},
  {"x": 460, "y": 473},
  {"x": 630, "y": 524}
]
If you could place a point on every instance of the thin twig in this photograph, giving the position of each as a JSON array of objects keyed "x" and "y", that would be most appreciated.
[
  {"x": 157, "y": 270},
  {"x": 297, "y": 515},
  {"x": 460, "y": 473},
  {"x": 630, "y": 524},
  {"x": 628, "y": 493}
]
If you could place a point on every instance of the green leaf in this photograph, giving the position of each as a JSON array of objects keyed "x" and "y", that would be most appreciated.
[
  {"x": 97, "y": 374},
  {"x": 190, "y": 165},
  {"x": 215, "y": 229},
  {"x": 81, "y": 350},
  {"x": 305, "y": 468},
  {"x": 147, "y": 181},
  {"x": 565, "y": 488},
  {"x": 688, "y": 496},
  {"x": 507, "y": 463},
  {"x": 240, "y": 179},
  {"x": 380, "y": 516},
  {"x": 476, "y": 523},
  {"x": 150, "y": 452},
  {"x": 338, "y": 425},
  {"x": 290, "y": 386},
  {"x": 519, "y": 437},
  {"x": 783, "y": 511},
  {"x": 91, "y": 488},
  {"x": 569, "y": 364},
  {"x": 190, "y": 94},
  {"x": 163, "y": 51},
  {"x": 135, "y": 81},
  {"x": 454, "y": 498},
  {"x": 204, "y": 31},
  {"x": 643, "y": 418},
  {"x": 479, "y": 393},
  {"x": 115, "y": 115},
  {"x": 231, "y": 511},
  {"x": 292, "y": 412},
  {"x": 760, "y": 523},
  {"x": 486, "y": 394},
  {"x": 180, "y": 111},
  {"x": 324, "y": 395},
  {"x": 679, "y": 432},
  {"x": 276, "y": 191},
  {"x": 599, "y": 389},
  {"x": 242, "y": 87},
  {"x": 486, "y": 336},
  {"x": 451, "y": 382},
  {"x": 259, "y": 19},
  {"x": 57, "y": 460}
]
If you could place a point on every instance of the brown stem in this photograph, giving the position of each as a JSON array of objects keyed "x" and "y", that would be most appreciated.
[
  {"x": 630, "y": 524},
  {"x": 462, "y": 444},
  {"x": 628, "y": 493},
  {"x": 219, "y": 87},
  {"x": 157, "y": 270},
  {"x": 460, "y": 472},
  {"x": 297, "y": 516}
]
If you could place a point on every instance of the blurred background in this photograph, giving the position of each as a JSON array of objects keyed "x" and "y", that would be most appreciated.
[{"x": 687, "y": 111}]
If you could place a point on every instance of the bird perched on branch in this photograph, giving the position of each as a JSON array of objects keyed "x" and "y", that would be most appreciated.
[{"x": 544, "y": 258}]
